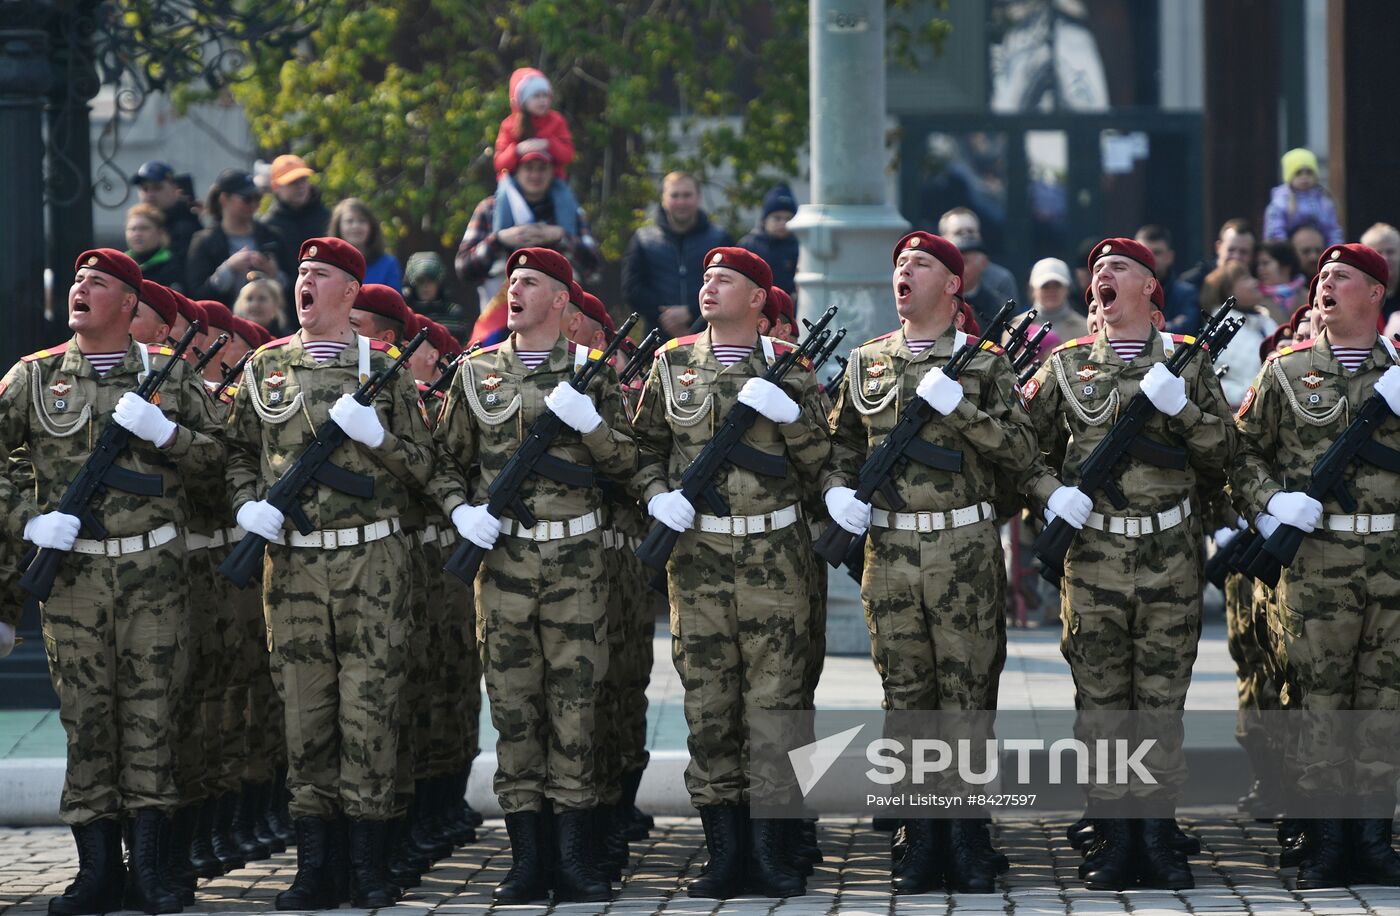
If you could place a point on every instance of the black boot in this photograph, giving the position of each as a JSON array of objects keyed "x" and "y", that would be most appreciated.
[
  {"x": 1081, "y": 833},
  {"x": 525, "y": 882},
  {"x": 1160, "y": 864},
  {"x": 179, "y": 882},
  {"x": 369, "y": 886},
  {"x": 723, "y": 876},
  {"x": 472, "y": 816},
  {"x": 279, "y": 818},
  {"x": 920, "y": 869},
  {"x": 1326, "y": 862},
  {"x": 1183, "y": 842},
  {"x": 244, "y": 820},
  {"x": 220, "y": 840},
  {"x": 969, "y": 870},
  {"x": 1374, "y": 860},
  {"x": 576, "y": 875},
  {"x": 262, "y": 827},
  {"x": 979, "y": 835},
  {"x": 768, "y": 874},
  {"x": 144, "y": 890},
  {"x": 1293, "y": 840},
  {"x": 638, "y": 824},
  {"x": 1113, "y": 859},
  {"x": 1264, "y": 799},
  {"x": 461, "y": 820},
  {"x": 98, "y": 886},
  {"x": 311, "y": 888},
  {"x": 338, "y": 859},
  {"x": 423, "y": 822},
  {"x": 406, "y": 863},
  {"x": 202, "y": 858},
  {"x": 612, "y": 823}
]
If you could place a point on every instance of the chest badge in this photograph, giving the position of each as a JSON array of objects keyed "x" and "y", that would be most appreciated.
[
  {"x": 1312, "y": 379},
  {"x": 1087, "y": 372},
  {"x": 491, "y": 382},
  {"x": 60, "y": 388},
  {"x": 873, "y": 373},
  {"x": 275, "y": 379},
  {"x": 688, "y": 377},
  {"x": 1088, "y": 391}
]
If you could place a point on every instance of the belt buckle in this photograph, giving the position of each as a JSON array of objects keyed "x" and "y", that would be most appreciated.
[
  {"x": 739, "y": 526},
  {"x": 1132, "y": 527},
  {"x": 923, "y": 522},
  {"x": 111, "y": 548},
  {"x": 540, "y": 532},
  {"x": 1363, "y": 524}
]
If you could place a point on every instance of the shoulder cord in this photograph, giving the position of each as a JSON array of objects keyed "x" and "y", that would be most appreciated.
[
  {"x": 51, "y": 426},
  {"x": 681, "y": 416},
  {"x": 1098, "y": 418},
  {"x": 273, "y": 415},
  {"x": 858, "y": 400},
  {"x": 1313, "y": 419},
  {"x": 491, "y": 418}
]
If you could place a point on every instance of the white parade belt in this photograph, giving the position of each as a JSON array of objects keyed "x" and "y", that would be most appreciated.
[
  {"x": 1361, "y": 523},
  {"x": 742, "y": 525},
  {"x": 1137, "y": 525},
  {"x": 120, "y": 547},
  {"x": 552, "y": 531},
  {"x": 931, "y": 521},
  {"x": 196, "y": 541},
  {"x": 332, "y": 538}
]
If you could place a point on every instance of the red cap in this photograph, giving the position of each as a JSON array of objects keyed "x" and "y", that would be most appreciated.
[
  {"x": 741, "y": 261},
  {"x": 161, "y": 299},
  {"x": 970, "y": 325},
  {"x": 594, "y": 308},
  {"x": 387, "y": 302},
  {"x": 1128, "y": 248},
  {"x": 337, "y": 253},
  {"x": 1362, "y": 257},
  {"x": 936, "y": 245},
  {"x": 190, "y": 310},
  {"x": 546, "y": 260},
  {"x": 113, "y": 262},
  {"x": 1159, "y": 298},
  {"x": 1298, "y": 316},
  {"x": 218, "y": 315},
  {"x": 534, "y": 154},
  {"x": 779, "y": 305},
  {"x": 439, "y": 337},
  {"x": 253, "y": 334},
  {"x": 1312, "y": 290}
]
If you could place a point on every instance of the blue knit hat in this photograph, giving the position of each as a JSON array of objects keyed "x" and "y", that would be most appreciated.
[{"x": 779, "y": 198}]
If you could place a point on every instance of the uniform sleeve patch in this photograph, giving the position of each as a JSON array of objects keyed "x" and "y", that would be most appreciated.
[
  {"x": 1246, "y": 403},
  {"x": 1031, "y": 389}
]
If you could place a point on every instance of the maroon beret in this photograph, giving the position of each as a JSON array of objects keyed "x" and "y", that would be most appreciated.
[
  {"x": 779, "y": 305},
  {"x": 190, "y": 310},
  {"x": 1362, "y": 257},
  {"x": 439, "y": 338},
  {"x": 253, "y": 334},
  {"x": 113, "y": 262},
  {"x": 387, "y": 302},
  {"x": 546, "y": 260},
  {"x": 1128, "y": 248},
  {"x": 1312, "y": 290},
  {"x": 970, "y": 325},
  {"x": 1159, "y": 297},
  {"x": 936, "y": 245},
  {"x": 594, "y": 308},
  {"x": 741, "y": 261},
  {"x": 218, "y": 315},
  {"x": 161, "y": 300},
  {"x": 337, "y": 253}
]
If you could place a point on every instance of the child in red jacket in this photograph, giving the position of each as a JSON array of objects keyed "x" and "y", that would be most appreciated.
[{"x": 533, "y": 127}]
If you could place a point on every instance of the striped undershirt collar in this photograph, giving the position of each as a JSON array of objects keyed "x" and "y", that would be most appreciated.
[
  {"x": 1128, "y": 350},
  {"x": 532, "y": 358},
  {"x": 1351, "y": 358},
  {"x": 729, "y": 354},
  {"x": 103, "y": 363},
  {"x": 322, "y": 350},
  {"x": 917, "y": 345}
]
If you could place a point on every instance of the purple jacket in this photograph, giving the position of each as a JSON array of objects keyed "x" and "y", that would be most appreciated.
[{"x": 1288, "y": 209}]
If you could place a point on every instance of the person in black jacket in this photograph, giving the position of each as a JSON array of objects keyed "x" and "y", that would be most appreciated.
[
  {"x": 772, "y": 241},
  {"x": 664, "y": 265},
  {"x": 298, "y": 213},
  {"x": 158, "y": 185},
  {"x": 222, "y": 256}
]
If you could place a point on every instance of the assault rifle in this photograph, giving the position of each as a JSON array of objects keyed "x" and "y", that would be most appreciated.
[
  {"x": 531, "y": 459},
  {"x": 903, "y": 445},
  {"x": 1025, "y": 360},
  {"x": 207, "y": 356},
  {"x": 726, "y": 447},
  {"x": 232, "y": 375},
  {"x": 640, "y": 358},
  {"x": 827, "y": 350},
  {"x": 1016, "y": 341},
  {"x": 314, "y": 466},
  {"x": 97, "y": 474},
  {"x": 1124, "y": 439}
]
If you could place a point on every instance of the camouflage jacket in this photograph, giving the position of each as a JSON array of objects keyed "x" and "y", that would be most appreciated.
[
  {"x": 989, "y": 427},
  {"x": 687, "y": 396},
  {"x": 54, "y": 402},
  {"x": 1074, "y": 400},
  {"x": 490, "y": 407},
  {"x": 1301, "y": 400},
  {"x": 285, "y": 396},
  {"x": 209, "y": 510}
]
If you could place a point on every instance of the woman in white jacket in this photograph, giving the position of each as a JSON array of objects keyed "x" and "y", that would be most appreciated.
[{"x": 1240, "y": 360}]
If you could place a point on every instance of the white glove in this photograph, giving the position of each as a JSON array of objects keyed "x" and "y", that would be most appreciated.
[
  {"x": 477, "y": 524},
  {"x": 1266, "y": 524},
  {"x": 1167, "y": 392},
  {"x": 1388, "y": 387},
  {"x": 574, "y": 408},
  {"x": 942, "y": 393},
  {"x": 359, "y": 421},
  {"x": 261, "y": 518},
  {"x": 769, "y": 400},
  {"x": 848, "y": 511},
  {"x": 143, "y": 419},
  {"x": 1297, "y": 509},
  {"x": 55, "y": 530},
  {"x": 1070, "y": 504},
  {"x": 673, "y": 510},
  {"x": 7, "y": 639},
  {"x": 1223, "y": 536}
]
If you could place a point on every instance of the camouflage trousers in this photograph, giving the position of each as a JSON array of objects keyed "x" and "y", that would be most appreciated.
[
  {"x": 339, "y": 622},
  {"x": 1253, "y": 684},
  {"x": 932, "y": 601},
  {"x": 739, "y": 616},
  {"x": 1131, "y": 615},
  {"x": 415, "y": 716},
  {"x": 113, "y": 629},
  {"x": 542, "y": 608},
  {"x": 264, "y": 717},
  {"x": 1339, "y": 616},
  {"x": 816, "y": 635},
  {"x": 639, "y": 634},
  {"x": 460, "y": 740},
  {"x": 196, "y": 734}
]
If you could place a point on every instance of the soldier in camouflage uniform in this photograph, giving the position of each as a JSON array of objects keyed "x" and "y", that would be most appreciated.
[
  {"x": 739, "y": 584},
  {"x": 541, "y": 593},
  {"x": 1338, "y": 611},
  {"x": 335, "y": 600},
  {"x": 113, "y": 628},
  {"x": 1131, "y": 594},
  {"x": 934, "y": 581}
]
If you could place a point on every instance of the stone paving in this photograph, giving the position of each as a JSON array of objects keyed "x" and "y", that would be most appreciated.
[{"x": 1235, "y": 873}]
